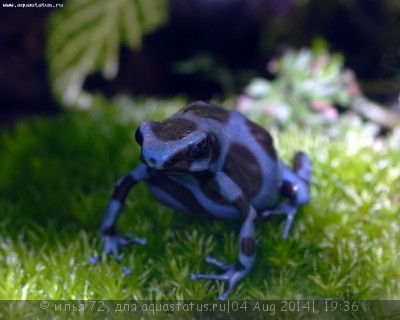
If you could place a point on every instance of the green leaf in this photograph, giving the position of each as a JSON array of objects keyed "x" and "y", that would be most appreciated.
[{"x": 85, "y": 36}]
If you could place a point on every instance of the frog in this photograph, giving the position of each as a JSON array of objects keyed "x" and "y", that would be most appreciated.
[{"x": 213, "y": 162}]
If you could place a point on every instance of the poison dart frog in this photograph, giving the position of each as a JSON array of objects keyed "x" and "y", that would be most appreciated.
[{"x": 214, "y": 162}]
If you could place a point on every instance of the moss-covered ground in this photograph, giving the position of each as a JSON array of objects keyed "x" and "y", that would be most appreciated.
[{"x": 57, "y": 174}]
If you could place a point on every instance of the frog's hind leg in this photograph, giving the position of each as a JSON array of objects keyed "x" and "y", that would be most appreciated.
[
  {"x": 295, "y": 188},
  {"x": 232, "y": 273}
]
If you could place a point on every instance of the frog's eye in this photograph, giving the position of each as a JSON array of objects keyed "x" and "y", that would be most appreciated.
[
  {"x": 200, "y": 150},
  {"x": 139, "y": 137}
]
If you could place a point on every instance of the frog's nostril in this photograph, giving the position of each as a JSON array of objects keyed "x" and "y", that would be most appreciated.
[{"x": 148, "y": 161}]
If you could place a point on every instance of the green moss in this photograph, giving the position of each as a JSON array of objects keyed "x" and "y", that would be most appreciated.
[{"x": 56, "y": 176}]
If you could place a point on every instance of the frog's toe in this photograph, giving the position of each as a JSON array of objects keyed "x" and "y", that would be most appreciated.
[
  {"x": 233, "y": 274},
  {"x": 126, "y": 271},
  {"x": 290, "y": 214},
  {"x": 95, "y": 259},
  {"x": 218, "y": 263},
  {"x": 126, "y": 241},
  {"x": 285, "y": 209},
  {"x": 112, "y": 244}
]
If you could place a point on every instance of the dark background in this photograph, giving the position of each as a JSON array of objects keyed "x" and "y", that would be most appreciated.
[{"x": 238, "y": 34}]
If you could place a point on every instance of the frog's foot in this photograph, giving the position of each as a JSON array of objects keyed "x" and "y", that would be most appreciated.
[
  {"x": 233, "y": 273},
  {"x": 284, "y": 209},
  {"x": 295, "y": 188},
  {"x": 112, "y": 244}
]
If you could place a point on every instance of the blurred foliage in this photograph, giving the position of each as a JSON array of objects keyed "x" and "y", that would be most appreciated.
[
  {"x": 85, "y": 36},
  {"x": 309, "y": 86},
  {"x": 394, "y": 4},
  {"x": 208, "y": 67}
]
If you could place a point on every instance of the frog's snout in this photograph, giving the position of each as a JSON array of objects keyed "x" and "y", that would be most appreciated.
[{"x": 151, "y": 162}]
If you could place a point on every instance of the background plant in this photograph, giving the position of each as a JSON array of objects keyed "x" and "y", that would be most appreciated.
[
  {"x": 85, "y": 37},
  {"x": 313, "y": 89}
]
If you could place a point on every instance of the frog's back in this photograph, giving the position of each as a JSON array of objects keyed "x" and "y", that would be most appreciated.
[{"x": 245, "y": 154}]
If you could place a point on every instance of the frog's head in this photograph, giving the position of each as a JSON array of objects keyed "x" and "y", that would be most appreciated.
[{"x": 176, "y": 145}]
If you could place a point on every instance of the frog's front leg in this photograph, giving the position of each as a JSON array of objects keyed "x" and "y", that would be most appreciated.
[
  {"x": 294, "y": 187},
  {"x": 112, "y": 240},
  {"x": 247, "y": 244}
]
